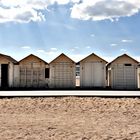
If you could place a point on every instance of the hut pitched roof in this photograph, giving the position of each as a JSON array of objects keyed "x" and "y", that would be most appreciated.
[
  {"x": 123, "y": 56},
  {"x": 93, "y": 54},
  {"x": 9, "y": 58},
  {"x": 33, "y": 56},
  {"x": 62, "y": 54}
]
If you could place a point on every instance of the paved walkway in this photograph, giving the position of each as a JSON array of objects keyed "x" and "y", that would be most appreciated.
[{"x": 70, "y": 93}]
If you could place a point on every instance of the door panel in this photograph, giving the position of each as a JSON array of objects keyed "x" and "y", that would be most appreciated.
[
  {"x": 93, "y": 74},
  {"x": 4, "y": 75},
  {"x": 63, "y": 75},
  {"x": 129, "y": 76},
  {"x": 88, "y": 76},
  {"x": 32, "y": 77},
  {"x": 98, "y": 74},
  {"x": 124, "y": 77},
  {"x": 118, "y": 76}
]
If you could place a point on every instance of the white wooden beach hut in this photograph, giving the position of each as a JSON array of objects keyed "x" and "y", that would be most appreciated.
[
  {"x": 62, "y": 72},
  {"x": 31, "y": 72},
  {"x": 122, "y": 73},
  {"x": 92, "y": 72},
  {"x": 6, "y": 71},
  {"x": 139, "y": 76}
]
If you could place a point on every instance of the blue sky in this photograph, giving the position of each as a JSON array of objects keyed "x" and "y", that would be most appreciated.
[{"x": 77, "y": 28}]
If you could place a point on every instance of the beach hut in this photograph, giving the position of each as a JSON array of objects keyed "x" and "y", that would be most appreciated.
[
  {"x": 6, "y": 71},
  {"x": 138, "y": 76},
  {"x": 33, "y": 73},
  {"x": 62, "y": 72},
  {"x": 92, "y": 72},
  {"x": 122, "y": 73},
  {"x": 77, "y": 74}
]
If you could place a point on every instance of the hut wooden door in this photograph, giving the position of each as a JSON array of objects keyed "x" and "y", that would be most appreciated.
[{"x": 4, "y": 75}]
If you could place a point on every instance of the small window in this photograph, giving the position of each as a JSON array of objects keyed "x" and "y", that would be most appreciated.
[
  {"x": 47, "y": 72},
  {"x": 128, "y": 64}
]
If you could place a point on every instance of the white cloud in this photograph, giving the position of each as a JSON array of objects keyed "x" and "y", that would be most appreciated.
[
  {"x": 137, "y": 58},
  {"x": 76, "y": 47},
  {"x": 31, "y": 10},
  {"x": 24, "y": 11},
  {"x": 41, "y": 51},
  {"x": 108, "y": 58},
  {"x": 59, "y": 1},
  {"x": 53, "y": 49},
  {"x": 123, "y": 50},
  {"x": 88, "y": 47},
  {"x": 72, "y": 50},
  {"x": 36, "y": 4},
  {"x": 64, "y": 1},
  {"x": 126, "y": 41},
  {"x": 105, "y": 9},
  {"x": 77, "y": 57},
  {"x": 48, "y": 52},
  {"x": 26, "y": 47},
  {"x": 21, "y": 11},
  {"x": 92, "y": 35},
  {"x": 113, "y": 44}
]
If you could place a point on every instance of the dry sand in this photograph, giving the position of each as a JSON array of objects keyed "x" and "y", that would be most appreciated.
[{"x": 70, "y": 118}]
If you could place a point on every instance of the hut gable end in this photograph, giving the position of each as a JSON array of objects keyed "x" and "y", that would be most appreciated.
[
  {"x": 62, "y": 58},
  {"x": 31, "y": 59},
  {"x": 93, "y": 57},
  {"x": 6, "y": 59},
  {"x": 124, "y": 59}
]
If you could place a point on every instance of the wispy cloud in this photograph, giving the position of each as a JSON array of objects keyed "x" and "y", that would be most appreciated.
[
  {"x": 26, "y": 47},
  {"x": 88, "y": 47},
  {"x": 41, "y": 51},
  {"x": 48, "y": 52},
  {"x": 53, "y": 49},
  {"x": 76, "y": 47},
  {"x": 123, "y": 50},
  {"x": 92, "y": 35},
  {"x": 77, "y": 57},
  {"x": 69, "y": 27},
  {"x": 72, "y": 49},
  {"x": 126, "y": 41},
  {"x": 113, "y": 44}
]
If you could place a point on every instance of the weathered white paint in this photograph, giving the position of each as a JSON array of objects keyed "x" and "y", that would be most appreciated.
[
  {"x": 16, "y": 75},
  {"x": 92, "y": 72},
  {"x": 124, "y": 77},
  {"x": 62, "y": 73},
  {"x": 32, "y": 77},
  {"x": 123, "y": 73},
  {"x": 32, "y": 72},
  {"x": 0, "y": 75},
  {"x": 138, "y": 77},
  {"x": 11, "y": 74},
  {"x": 4, "y": 59}
]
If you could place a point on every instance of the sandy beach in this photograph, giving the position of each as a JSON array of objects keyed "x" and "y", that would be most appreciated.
[{"x": 69, "y": 118}]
